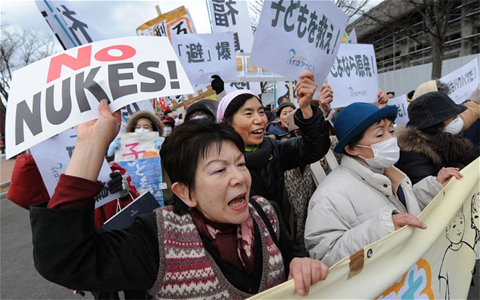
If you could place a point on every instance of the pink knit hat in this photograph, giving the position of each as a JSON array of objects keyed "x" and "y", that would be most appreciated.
[{"x": 222, "y": 106}]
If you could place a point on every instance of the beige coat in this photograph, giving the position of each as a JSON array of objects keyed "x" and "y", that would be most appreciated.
[{"x": 352, "y": 207}]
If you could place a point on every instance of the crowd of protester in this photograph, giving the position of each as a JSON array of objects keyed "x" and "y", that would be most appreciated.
[{"x": 243, "y": 212}]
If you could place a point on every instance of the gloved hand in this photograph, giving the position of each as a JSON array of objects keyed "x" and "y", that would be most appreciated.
[
  {"x": 117, "y": 184},
  {"x": 158, "y": 144},
  {"x": 217, "y": 84},
  {"x": 114, "y": 145}
]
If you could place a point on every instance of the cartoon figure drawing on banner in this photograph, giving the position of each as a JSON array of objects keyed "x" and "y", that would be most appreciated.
[
  {"x": 455, "y": 232},
  {"x": 475, "y": 218}
]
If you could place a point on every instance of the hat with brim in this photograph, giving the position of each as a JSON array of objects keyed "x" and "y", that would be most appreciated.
[
  {"x": 431, "y": 109},
  {"x": 356, "y": 118}
]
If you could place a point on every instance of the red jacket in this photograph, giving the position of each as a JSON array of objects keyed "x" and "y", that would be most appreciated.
[{"x": 27, "y": 188}]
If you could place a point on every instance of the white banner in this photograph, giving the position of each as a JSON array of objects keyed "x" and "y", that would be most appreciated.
[
  {"x": 232, "y": 16},
  {"x": 175, "y": 22},
  {"x": 61, "y": 91},
  {"x": 298, "y": 36},
  {"x": 204, "y": 55},
  {"x": 353, "y": 76},
  {"x": 411, "y": 263},
  {"x": 70, "y": 28},
  {"x": 52, "y": 158},
  {"x": 402, "y": 104},
  {"x": 462, "y": 82}
]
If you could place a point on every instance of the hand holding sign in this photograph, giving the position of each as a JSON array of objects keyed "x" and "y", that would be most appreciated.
[
  {"x": 93, "y": 138},
  {"x": 305, "y": 89}
]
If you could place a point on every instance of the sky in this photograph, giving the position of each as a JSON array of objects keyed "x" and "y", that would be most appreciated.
[{"x": 112, "y": 18}]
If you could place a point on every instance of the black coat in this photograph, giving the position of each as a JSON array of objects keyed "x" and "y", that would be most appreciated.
[{"x": 268, "y": 163}]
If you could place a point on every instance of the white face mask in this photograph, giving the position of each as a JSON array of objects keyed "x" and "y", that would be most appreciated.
[
  {"x": 166, "y": 131},
  {"x": 141, "y": 130},
  {"x": 385, "y": 154},
  {"x": 455, "y": 126}
]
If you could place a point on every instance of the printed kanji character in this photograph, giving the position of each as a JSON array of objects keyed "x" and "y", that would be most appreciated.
[
  {"x": 223, "y": 50},
  {"x": 195, "y": 54},
  {"x": 76, "y": 25},
  {"x": 222, "y": 10}
]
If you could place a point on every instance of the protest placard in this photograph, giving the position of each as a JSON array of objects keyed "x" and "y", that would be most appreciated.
[
  {"x": 411, "y": 263},
  {"x": 402, "y": 104},
  {"x": 137, "y": 154},
  {"x": 204, "y": 55},
  {"x": 70, "y": 28},
  {"x": 61, "y": 91},
  {"x": 174, "y": 22},
  {"x": 298, "y": 36},
  {"x": 232, "y": 16},
  {"x": 52, "y": 158},
  {"x": 462, "y": 82},
  {"x": 353, "y": 76}
]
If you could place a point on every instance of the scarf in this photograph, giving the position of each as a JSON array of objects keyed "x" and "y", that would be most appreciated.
[{"x": 227, "y": 237}]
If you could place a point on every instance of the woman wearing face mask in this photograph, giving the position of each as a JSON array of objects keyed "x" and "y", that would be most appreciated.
[
  {"x": 141, "y": 121},
  {"x": 168, "y": 123},
  {"x": 365, "y": 197},
  {"x": 431, "y": 139}
]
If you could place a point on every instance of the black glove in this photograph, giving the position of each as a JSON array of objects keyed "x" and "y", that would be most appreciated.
[
  {"x": 115, "y": 184},
  {"x": 217, "y": 84}
]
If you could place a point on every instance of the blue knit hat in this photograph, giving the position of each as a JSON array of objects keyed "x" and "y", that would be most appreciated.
[{"x": 356, "y": 118}]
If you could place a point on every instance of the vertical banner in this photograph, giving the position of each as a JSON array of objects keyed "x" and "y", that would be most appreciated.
[
  {"x": 411, "y": 263},
  {"x": 298, "y": 36},
  {"x": 70, "y": 28},
  {"x": 463, "y": 81},
  {"x": 63, "y": 90},
  {"x": 52, "y": 158},
  {"x": 402, "y": 104},
  {"x": 353, "y": 76},
  {"x": 204, "y": 55},
  {"x": 137, "y": 155},
  {"x": 232, "y": 16}
]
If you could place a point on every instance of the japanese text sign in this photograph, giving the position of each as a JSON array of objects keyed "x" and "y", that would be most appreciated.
[
  {"x": 298, "y": 36},
  {"x": 353, "y": 76},
  {"x": 174, "y": 22},
  {"x": 232, "y": 16},
  {"x": 61, "y": 91},
  {"x": 137, "y": 155},
  {"x": 70, "y": 28},
  {"x": 203, "y": 55},
  {"x": 462, "y": 82},
  {"x": 402, "y": 104},
  {"x": 52, "y": 158}
]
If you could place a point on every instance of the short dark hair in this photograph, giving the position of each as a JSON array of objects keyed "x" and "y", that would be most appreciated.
[
  {"x": 186, "y": 145},
  {"x": 281, "y": 99},
  {"x": 235, "y": 105}
]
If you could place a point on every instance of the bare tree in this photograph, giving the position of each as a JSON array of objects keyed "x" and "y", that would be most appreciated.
[
  {"x": 423, "y": 21},
  {"x": 19, "y": 49}
]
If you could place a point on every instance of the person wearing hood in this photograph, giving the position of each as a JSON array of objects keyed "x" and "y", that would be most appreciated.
[
  {"x": 204, "y": 109},
  {"x": 430, "y": 141},
  {"x": 279, "y": 128},
  {"x": 141, "y": 121},
  {"x": 267, "y": 159},
  {"x": 365, "y": 198}
]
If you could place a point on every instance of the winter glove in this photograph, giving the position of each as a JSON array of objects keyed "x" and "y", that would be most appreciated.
[
  {"x": 117, "y": 184},
  {"x": 114, "y": 145},
  {"x": 217, "y": 84}
]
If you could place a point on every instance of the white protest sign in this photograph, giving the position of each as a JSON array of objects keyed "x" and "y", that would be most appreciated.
[
  {"x": 352, "y": 37},
  {"x": 353, "y": 76},
  {"x": 462, "y": 82},
  {"x": 52, "y": 158},
  {"x": 70, "y": 28},
  {"x": 298, "y": 36},
  {"x": 61, "y": 91},
  {"x": 204, "y": 55},
  {"x": 402, "y": 104},
  {"x": 232, "y": 16}
]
